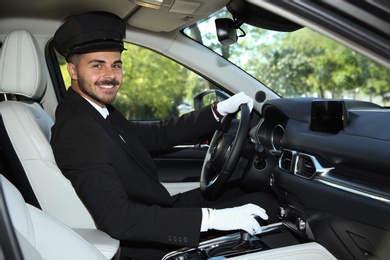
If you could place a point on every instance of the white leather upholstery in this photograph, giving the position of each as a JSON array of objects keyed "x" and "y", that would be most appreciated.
[
  {"x": 22, "y": 66},
  {"x": 29, "y": 129},
  {"x": 175, "y": 188},
  {"x": 308, "y": 251},
  {"x": 41, "y": 236}
]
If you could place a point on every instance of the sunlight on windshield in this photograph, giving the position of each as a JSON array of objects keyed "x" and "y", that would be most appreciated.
[{"x": 300, "y": 64}]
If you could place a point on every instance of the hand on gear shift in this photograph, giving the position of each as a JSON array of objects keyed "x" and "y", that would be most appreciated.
[{"x": 237, "y": 218}]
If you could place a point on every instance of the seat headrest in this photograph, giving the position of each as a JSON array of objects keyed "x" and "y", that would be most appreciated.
[{"x": 22, "y": 66}]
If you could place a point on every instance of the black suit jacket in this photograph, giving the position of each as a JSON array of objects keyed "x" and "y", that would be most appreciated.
[{"x": 118, "y": 181}]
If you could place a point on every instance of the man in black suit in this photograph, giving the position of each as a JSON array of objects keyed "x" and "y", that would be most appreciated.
[{"x": 107, "y": 158}]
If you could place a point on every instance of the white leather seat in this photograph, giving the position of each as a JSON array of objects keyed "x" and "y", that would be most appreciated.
[
  {"x": 28, "y": 126},
  {"x": 41, "y": 236}
]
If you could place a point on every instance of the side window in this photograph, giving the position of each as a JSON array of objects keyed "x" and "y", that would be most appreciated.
[{"x": 153, "y": 87}]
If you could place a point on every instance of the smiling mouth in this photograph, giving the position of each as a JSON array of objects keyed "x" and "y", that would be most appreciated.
[{"x": 106, "y": 86}]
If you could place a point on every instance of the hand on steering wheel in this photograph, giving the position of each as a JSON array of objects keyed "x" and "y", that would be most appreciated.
[{"x": 223, "y": 154}]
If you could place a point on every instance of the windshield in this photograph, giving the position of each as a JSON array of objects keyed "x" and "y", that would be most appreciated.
[{"x": 302, "y": 63}]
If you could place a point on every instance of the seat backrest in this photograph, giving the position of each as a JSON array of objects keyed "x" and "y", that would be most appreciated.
[
  {"x": 28, "y": 127},
  {"x": 25, "y": 131},
  {"x": 40, "y": 236}
]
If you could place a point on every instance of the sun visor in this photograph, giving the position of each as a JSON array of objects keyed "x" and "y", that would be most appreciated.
[{"x": 256, "y": 16}]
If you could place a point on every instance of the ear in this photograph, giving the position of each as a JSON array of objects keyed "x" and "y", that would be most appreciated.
[{"x": 72, "y": 71}]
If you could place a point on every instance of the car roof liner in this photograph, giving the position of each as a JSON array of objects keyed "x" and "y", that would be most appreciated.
[{"x": 249, "y": 13}]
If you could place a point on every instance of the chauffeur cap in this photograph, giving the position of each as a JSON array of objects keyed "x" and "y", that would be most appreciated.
[{"x": 89, "y": 32}]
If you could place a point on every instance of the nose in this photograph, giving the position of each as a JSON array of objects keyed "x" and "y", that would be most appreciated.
[{"x": 109, "y": 73}]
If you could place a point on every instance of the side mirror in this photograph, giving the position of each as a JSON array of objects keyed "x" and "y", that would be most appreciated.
[
  {"x": 226, "y": 31},
  {"x": 208, "y": 97}
]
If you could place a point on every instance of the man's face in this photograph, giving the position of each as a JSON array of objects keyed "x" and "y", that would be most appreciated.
[{"x": 97, "y": 75}]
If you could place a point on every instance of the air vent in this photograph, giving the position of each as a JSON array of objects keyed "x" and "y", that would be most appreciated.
[
  {"x": 305, "y": 166},
  {"x": 301, "y": 164},
  {"x": 286, "y": 160}
]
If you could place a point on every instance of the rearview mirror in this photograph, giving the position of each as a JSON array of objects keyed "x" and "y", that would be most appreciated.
[{"x": 226, "y": 31}]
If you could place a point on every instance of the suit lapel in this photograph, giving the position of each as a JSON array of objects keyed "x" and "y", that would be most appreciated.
[
  {"x": 131, "y": 144},
  {"x": 116, "y": 134},
  {"x": 135, "y": 151}
]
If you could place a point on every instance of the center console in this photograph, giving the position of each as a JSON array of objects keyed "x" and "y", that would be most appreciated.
[{"x": 239, "y": 244}]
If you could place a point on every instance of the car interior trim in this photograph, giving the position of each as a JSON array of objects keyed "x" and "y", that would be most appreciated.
[
  {"x": 301, "y": 164},
  {"x": 294, "y": 161},
  {"x": 354, "y": 191}
]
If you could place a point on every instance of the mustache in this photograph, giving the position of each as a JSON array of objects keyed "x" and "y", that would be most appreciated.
[{"x": 107, "y": 82}]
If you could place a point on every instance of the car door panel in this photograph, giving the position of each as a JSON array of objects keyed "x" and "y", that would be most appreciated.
[{"x": 180, "y": 164}]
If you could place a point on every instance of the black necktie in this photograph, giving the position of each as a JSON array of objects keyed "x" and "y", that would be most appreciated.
[{"x": 114, "y": 127}]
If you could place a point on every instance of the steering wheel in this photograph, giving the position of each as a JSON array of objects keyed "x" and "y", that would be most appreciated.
[{"x": 224, "y": 153}]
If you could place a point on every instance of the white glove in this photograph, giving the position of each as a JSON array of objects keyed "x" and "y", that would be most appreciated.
[
  {"x": 237, "y": 218},
  {"x": 232, "y": 104}
]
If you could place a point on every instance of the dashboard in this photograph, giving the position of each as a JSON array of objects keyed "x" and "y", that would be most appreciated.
[{"x": 333, "y": 183}]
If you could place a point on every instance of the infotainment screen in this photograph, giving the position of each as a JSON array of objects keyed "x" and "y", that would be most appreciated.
[{"x": 328, "y": 116}]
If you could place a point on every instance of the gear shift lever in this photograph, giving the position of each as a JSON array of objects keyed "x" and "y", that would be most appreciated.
[{"x": 245, "y": 236}]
